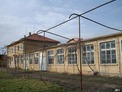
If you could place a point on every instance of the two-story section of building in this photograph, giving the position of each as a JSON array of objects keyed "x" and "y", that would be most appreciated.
[{"x": 19, "y": 51}]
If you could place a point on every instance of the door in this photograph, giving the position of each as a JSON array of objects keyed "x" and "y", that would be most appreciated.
[{"x": 43, "y": 61}]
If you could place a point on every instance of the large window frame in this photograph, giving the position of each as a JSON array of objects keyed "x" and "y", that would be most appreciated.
[
  {"x": 36, "y": 58},
  {"x": 60, "y": 56},
  {"x": 108, "y": 52},
  {"x": 50, "y": 57},
  {"x": 88, "y": 54},
  {"x": 72, "y": 55}
]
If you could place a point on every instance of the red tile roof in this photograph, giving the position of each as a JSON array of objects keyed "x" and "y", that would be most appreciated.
[{"x": 37, "y": 37}]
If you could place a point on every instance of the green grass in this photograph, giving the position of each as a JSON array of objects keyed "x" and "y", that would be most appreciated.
[
  {"x": 9, "y": 84},
  {"x": 4, "y": 75}
]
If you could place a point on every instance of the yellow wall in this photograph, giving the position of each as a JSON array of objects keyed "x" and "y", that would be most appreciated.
[{"x": 104, "y": 69}]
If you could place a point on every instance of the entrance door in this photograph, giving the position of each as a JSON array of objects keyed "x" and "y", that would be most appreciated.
[{"x": 43, "y": 61}]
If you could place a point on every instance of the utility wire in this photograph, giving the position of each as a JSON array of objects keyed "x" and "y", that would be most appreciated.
[
  {"x": 56, "y": 35},
  {"x": 100, "y": 23},
  {"x": 77, "y": 16}
]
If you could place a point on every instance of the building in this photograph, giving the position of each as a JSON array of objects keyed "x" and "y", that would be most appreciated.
[
  {"x": 19, "y": 51},
  {"x": 102, "y": 55}
]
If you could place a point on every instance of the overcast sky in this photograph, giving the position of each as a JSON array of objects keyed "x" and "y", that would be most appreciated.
[{"x": 19, "y": 17}]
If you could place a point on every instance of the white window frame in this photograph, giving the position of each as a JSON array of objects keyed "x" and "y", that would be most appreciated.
[
  {"x": 36, "y": 58},
  {"x": 60, "y": 56},
  {"x": 108, "y": 49},
  {"x": 86, "y": 52},
  {"x": 72, "y": 60},
  {"x": 50, "y": 56}
]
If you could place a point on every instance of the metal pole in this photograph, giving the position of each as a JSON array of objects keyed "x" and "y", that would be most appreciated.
[
  {"x": 79, "y": 44},
  {"x": 80, "y": 53}
]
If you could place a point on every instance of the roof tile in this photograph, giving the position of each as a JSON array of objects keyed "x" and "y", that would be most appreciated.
[{"x": 41, "y": 38}]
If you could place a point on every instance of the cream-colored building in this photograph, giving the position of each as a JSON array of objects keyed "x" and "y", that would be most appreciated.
[
  {"x": 19, "y": 52},
  {"x": 102, "y": 55}
]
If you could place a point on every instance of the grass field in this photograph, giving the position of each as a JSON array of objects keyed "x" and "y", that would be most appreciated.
[
  {"x": 29, "y": 81},
  {"x": 10, "y": 84}
]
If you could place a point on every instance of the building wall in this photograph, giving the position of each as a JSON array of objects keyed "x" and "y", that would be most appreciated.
[
  {"x": 24, "y": 48},
  {"x": 110, "y": 69},
  {"x": 13, "y": 52}
]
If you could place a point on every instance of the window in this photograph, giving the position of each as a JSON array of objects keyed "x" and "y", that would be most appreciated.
[
  {"x": 18, "y": 48},
  {"x": 50, "y": 57},
  {"x": 60, "y": 56},
  {"x": 36, "y": 58},
  {"x": 21, "y": 46},
  {"x": 30, "y": 58},
  {"x": 72, "y": 55},
  {"x": 17, "y": 60},
  {"x": 88, "y": 54},
  {"x": 108, "y": 53},
  {"x": 12, "y": 50},
  {"x": 22, "y": 60}
]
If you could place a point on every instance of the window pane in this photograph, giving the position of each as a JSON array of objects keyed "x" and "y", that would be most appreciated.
[
  {"x": 88, "y": 48},
  {"x": 60, "y": 56},
  {"x": 113, "y": 56},
  {"x": 108, "y": 57},
  {"x": 107, "y": 45},
  {"x": 113, "y": 60},
  {"x": 84, "y": 48},
  {"x": 103, "y": 59},
  {"x": 88, "y": 55},
  {"x": 92, "y": 47},
  {"x": 50, "y": 57},
  {"x": 36, "y": 60},
  {"x": 72, "y": 55},
  {"x": 92, "y": 57},
  {"x": 102, "y": 45},
  {"x": 50, "y": 60},
  {"x": 113, "y": 52},
  {"x": 113, "y": 44},
  {"x": 60, "y": 59}
]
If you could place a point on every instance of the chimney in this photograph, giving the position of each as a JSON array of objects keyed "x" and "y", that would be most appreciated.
[
  {"x": 24, "y": 36},
  {"x": 29, "y": 33}
]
